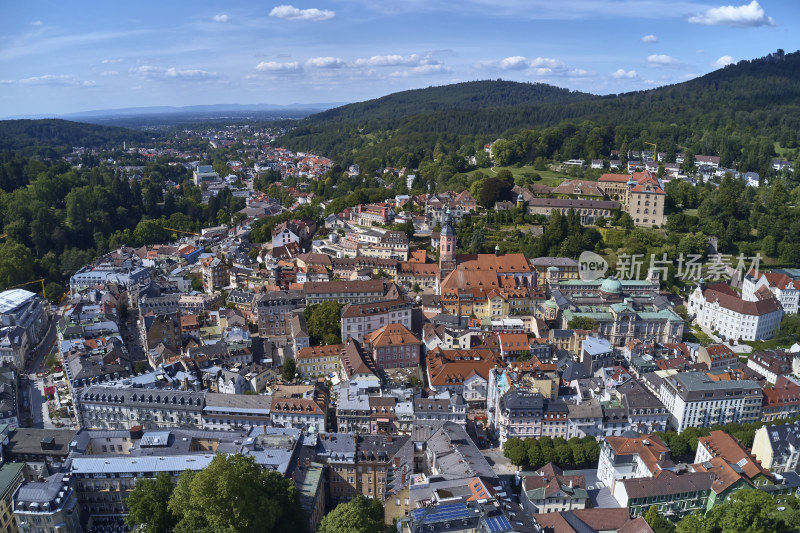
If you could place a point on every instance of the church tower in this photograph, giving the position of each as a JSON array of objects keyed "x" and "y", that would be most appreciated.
[{"x": 447, "y": 248}]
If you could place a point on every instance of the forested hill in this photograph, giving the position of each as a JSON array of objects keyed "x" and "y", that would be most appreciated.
[
  {"x": 761, "y": 96},
  {"x": 54, "y": 137},
  {"x": 464, "y": 96}
]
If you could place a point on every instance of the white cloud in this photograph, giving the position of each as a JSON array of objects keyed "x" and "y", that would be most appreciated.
[
  {"x": 722, "y": 61},
  {"x": 521, "y": 63},
  {"x": 172, "y": 73},
  {"x": 292, "y": 13},
  {"x": 579, "y": 73},
  {"x": 109, "y": 73},
  {"x": 745, "y": 16},
  {"x": 546, "y": 62},
  {"x": 661, "y": 60},
  {"x": 49, "y": 79},
  {"x": 394, "y": 60},
  {"x": 650, "y": 39},
  {"x": 37, "y": 23},
  {"x": 514, "y": 63},
  {"x": 110, "y": 61},
  {"x": 622, "y": 73},
  {"x": 325, "y": 62},
  {"x": 221, "y": 18},
  {"x": 419, "y": 70},
  {"x": 276, "y": 66}
]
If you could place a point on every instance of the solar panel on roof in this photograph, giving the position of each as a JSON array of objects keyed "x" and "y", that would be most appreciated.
[{"x": 499, "y": 523}]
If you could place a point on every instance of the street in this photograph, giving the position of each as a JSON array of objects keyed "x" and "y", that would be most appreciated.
[{"x": 37, "y": 413}]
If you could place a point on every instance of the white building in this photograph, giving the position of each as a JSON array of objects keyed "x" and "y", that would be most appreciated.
[
  {"x": 695, "y": 400},
  {"x": 718, "y": 308},
  {"x": 204, "y": 173},
  {"x": 596, "y": 353},
  {"x": 632, "y": 457},
  {"x": 785, "y": 287},
  {"x": 361, "y": 319},
  {"x": 26, "y": 310}
]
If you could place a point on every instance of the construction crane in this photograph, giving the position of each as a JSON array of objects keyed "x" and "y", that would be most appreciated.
[
  {"x": 183, "y": 231},
  {"x": 29, "y": 283}
]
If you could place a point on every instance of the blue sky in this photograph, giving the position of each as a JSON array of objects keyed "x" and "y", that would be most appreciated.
[{"x": 60, "y": 57}]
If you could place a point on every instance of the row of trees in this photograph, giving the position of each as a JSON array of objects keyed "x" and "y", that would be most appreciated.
[{"x": 535, "y": 453}]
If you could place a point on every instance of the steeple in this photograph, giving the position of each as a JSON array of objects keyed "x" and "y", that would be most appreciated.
[{"x": 447, "y": 247}]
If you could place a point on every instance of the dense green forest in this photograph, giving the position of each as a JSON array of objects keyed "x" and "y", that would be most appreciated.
[
  {"x": 725, "y": 112},
  {"x": 57, "y": 218},
  {"x": 53, "y": 138}
]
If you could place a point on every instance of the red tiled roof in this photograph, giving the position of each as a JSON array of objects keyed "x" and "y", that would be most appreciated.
[{"x": 727, "y": 298}]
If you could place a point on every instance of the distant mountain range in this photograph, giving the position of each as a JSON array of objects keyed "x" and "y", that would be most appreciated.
[
  {"x": 758, "y": 97},
  {"x": 213, "y": 109}
]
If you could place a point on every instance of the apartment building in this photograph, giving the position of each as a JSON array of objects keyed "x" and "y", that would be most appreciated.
[
  {"x": 393, "y": 346},
  {"x": 549, "y": 490},
  {"x": 629, "y": 457},
  {"x": 782, "y": 400},
  {"x": 107, "y": 407},
  {"x": 435, "y": 411},
  {"x": 11, "y": 476},
  {"x": 716, "y": 356},
  {"x": 48, "y": 505},
  {"x": 274, "y": 311},
  {"x": 315, "y": 361},
  {"x": 784, "y": 284},
  {"x": 777, "y": 447},
  {"x": 361, "y": 319},
  {"x": 464, "y": 372},
  {"x": 674, "y": 495},
  {"x": 216, "y": 274},
  {"x": 344, "y": 292},
  {"x": 694, "y": 399},
  {"x": 772, "y": 364}
]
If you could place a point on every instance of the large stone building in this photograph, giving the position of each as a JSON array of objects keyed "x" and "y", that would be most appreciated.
[
  {"x": 107, "y": 407},
  {"x": 640, "y": 193},
  {"x": 717, "y": 307},
  {"x": 347, "y": 292},
  {"x": 588, "y": 210},
  {"x": 624, "y": 310},
  {"x": 485, "y": 285}
]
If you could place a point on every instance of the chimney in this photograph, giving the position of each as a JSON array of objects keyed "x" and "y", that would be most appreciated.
[
  {"x": 397, "y": 462},
  {"x": 403, "y": 478}
]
